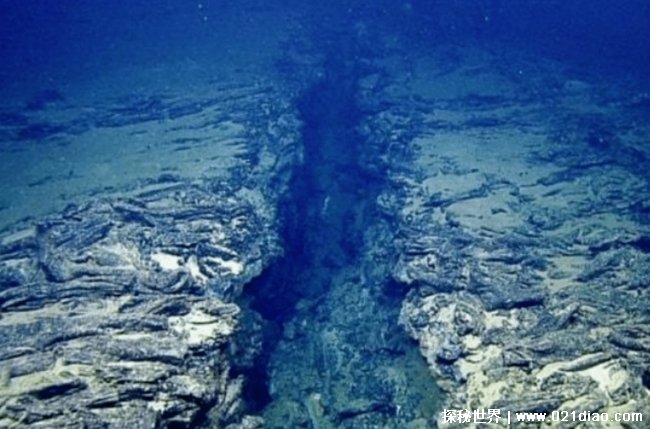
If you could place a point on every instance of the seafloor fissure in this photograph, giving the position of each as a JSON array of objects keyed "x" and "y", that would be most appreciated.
[
  {"x": 390, "y": 172},
  {"x": 333, "y": 354}
]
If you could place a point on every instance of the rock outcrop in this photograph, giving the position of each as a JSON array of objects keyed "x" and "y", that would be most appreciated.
[
  {"x": 525, "y": 247},
  {"x": 120, "y": 311}
]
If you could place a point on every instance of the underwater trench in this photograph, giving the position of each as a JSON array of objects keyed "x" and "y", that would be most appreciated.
[
  {"x": 317, "y": 213},
  {"x": 331, "y": 343}
]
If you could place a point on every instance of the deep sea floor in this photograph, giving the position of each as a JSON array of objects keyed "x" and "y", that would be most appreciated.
[{"x": 357, "y": 246}]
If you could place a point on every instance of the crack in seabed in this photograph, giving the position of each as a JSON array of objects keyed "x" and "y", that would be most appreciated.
[{"x": 334, "y": 355}]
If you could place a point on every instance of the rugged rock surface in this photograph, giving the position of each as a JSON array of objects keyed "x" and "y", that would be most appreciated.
[
  {"x": 513, "y": 223},
  {"x": 522, "y": 236},
  {"x": 119, "y": 311}
]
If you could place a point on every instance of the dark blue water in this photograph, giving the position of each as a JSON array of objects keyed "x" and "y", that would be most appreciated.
[{"x": 88, "y": 36}]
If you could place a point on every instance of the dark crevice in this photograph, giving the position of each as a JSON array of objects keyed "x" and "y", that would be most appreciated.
[
  {"x": 316, "y": 210},
  {"x": 320, "y": 214},
  {"x": 320, "y": 210},
  {"x": 325, "y": 216}
]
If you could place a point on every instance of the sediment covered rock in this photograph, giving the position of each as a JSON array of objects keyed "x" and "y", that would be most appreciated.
[
  {"x": 119, "y": 311},
  {"x": 523, "y": 248}
]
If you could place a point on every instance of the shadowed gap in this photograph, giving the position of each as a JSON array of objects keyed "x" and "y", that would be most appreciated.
[{"x": 320, "y": 226}]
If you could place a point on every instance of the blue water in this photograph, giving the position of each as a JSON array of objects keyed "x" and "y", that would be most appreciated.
[{"x": 66, "y": 37}]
